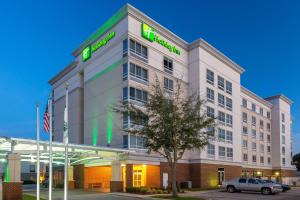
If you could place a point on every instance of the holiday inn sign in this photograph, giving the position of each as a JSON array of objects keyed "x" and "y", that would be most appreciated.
[{"x": 149, "y": 33}]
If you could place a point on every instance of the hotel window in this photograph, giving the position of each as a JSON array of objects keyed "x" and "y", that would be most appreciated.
[
  {"x": 253, "y": 107},
  {"x": 221, "y": 135},
  {"x": 268, "y": 149},
  {"x": 268, "y": 138},
  {"x": 261, "y": 124},
  {"x": 221, "y": 152},
  {"x": 138, "y": 72},
  {"x": 210, "y": 95},
  {"x": 229, "y": 153},
  {"x": 221, "y": 117},
  {"x": 282, "y": 117},
  {"x": 245, "y": 144},
  {"x": 125, "y": 141},
  {"x": 244, "y": 117},
  {"x": 221, "y": 100},
  {"x": 253, "y": 121},
  {"x": 268, "y": 115},
  {"x": 253, "y": 146},
  {"x": 261, "y": 136},
  {"x": 262, "y": 159},
  {"x": 210, "y": 77},
  {"x": 211, "y": 132},
  {"x": 125, "y": 120},
  {"x": 221, "y": 82},
  {"x": 269, "y": 160},
  {"x": 262, "y": 148},
  {"x": 229, "y": 120},
  {"x": 138, "y": 49},
  {"x": 244, "y": 103},
  {"x": 282, "y": 128},
  {"x": 253, "y": 133},
  {"x": 254, "y": 158},
  {"x": 211, "y": 150},
  {"x": 138, "y": 95},
  {"x": 228, "y": 87},
  {"x": 283, "y": 161},
  {"x": 210, "y": 112},
  {"x": 168, "y": 84},
  {"x": 283, "y": 150},
  {"x": 125, "y": 71},
  {"x": 245, "y": 157},
  {"x": 261, "y": 111},
  {"x": 245, "y": 130},
  {"x": 125, "y": 47},
  {"x": 283, "y": 139},
  {"x": 137, "y": 142},
  {"x": 137, "y": 177},
  {"x": 168, "y": 65},
  {"x": 229, "y": 137},
  {"x": 228, "y": 103},
  {"x": 125, "y": 93},
  {"x": 268, "y": 127}
]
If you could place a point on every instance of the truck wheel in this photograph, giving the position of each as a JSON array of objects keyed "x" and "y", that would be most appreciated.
[
  {"x": 266, "y": 191},
  {"x": 230, "y": 189}
]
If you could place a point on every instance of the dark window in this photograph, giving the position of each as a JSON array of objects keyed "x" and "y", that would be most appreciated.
[
  {"x": 210, "y": 76},
  {"x": 221, "y": 82},
  {"x": 138, "y": 49},
  {"x": 125, "y": 71},
  {"x": 168, "y": 65},
  {"x": 168, "y": 84},
  {"x": 125, "y": 47}
]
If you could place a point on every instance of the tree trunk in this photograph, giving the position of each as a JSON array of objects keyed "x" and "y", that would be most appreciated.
[{"x": 173, "y": 176}]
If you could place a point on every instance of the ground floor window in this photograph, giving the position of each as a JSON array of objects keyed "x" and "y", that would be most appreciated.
[{"x": 139, "y": 175}]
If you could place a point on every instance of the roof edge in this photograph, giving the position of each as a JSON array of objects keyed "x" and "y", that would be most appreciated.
[
  {"x": 280, "y": 96},
  {"x": 63, "y": 72},
  {"x": 255, "y": 96}
]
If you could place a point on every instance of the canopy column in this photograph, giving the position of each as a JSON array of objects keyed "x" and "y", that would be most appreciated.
[{"x": 116, "y": 183}]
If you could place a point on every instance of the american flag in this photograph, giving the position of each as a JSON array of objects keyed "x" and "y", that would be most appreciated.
[{"x": 46, "y": 121}]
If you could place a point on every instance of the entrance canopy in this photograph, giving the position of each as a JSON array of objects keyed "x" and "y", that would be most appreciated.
[{"x": 78, "y": 154}]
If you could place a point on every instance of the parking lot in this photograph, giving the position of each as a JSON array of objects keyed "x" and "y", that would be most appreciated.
[{"x": 216, "y": 194}]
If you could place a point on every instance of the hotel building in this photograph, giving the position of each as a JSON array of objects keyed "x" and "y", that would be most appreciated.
[{"x": 120, "y": 61}]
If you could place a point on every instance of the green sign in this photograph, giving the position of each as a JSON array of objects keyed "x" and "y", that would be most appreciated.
[
  {"x": 89, "y": 50},
  {"x": 149, "y": 33}
]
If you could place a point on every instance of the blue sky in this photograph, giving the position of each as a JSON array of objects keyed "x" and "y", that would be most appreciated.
[{"x": 37, "y": 38}]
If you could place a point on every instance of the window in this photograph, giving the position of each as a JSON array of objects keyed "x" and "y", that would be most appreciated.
[
  {"x": 253, "y": 159},
  {"x": 268, "y": 149},
  {"x": 210, "y": 77},
  {"x": 229, "y": 120},
  {"x": 268, "y": 115},
  {"x": 221, "y": 152},
  {"x": 244, "y": 117},
  {"x": 228, "y": 103},
  {"x": 168, "y": 84},
  {"x": 138, "y": 72},
  {"x": 261, "y": 111},
  {"x": 137, "y": 177},
  {"x": 262, "y": 148},
  {"x": 253, "y": 133},
  {"x": 283, "y": 161},
  {"x": 168, "y": 65},
  {"x": 221, "y": 117},
  {"x": 137, "y": 142},
  {"x": 211, "y": 149},
  {"x": 268, "y": 127},
  {"x": 282, "y": 128},
  {"x": 31, "y": 168},
  {"x": 221, "y": 82},
  {"x": 125, "y": 141},
  {"x": 138, "y": 95},
  {"x": 125, "y": 71},
  {"x": 210, "y": 112},
  {"x": 283, "y": 150},
  {"x": 268, "y": 138},
  {"x": 138, "y": 49},
  {"x": 211, "y": 132},
  {"x": 245, "y": 144},
  {"x": 229, "y": 136},
  {"x": 245, "y": 130},
  {"x": 125, "y": 93},
  {"x": 253, "y": 107},
  {"x": 261, "y": 136},
  {"x": 269, "y": 160},
  {"x": 210, "y": 95},
  {"x": 244, "y": 103},
  {"x": 253, "y": 146},
  {"x": 228, "y": 87},
  {"x": 261, "y": 124},
  {"x": 221, "y": 100},
  {"x": 125, "y": 120},
  {"x": 125, "y": 47},
  {"x": 262, "y": 159},
  {"x": 253, "y": 121},
  {"x": 245, "y": 157},
  {"x": 221, "y": 134},
  {"x": 283, "y": 139},
  {"x": 229, "y": 153},
  {"x": 282, "y": 117}
]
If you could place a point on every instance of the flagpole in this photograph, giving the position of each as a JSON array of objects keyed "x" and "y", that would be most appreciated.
[
  {"x": 66, "y": 140},
  {"x": 50, "y": 147},
  {"x": 38, "y": 152}
]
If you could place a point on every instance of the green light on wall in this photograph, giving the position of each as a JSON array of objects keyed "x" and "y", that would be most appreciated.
[
  {"x": 109, "y": 126},
  {"x": 95, "y": 131},
  {"x": 7, "y": 176}
]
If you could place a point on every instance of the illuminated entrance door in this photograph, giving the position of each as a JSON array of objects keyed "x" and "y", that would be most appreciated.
[
  {"x": 221, "y": 175},
  {"x": 139, "y": 175}
]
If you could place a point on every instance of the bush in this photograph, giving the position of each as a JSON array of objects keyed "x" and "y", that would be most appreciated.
[{"x": 144, "y": 190}]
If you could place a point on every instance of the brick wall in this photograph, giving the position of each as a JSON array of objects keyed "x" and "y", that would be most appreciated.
[
  {"x": 153, "y": 176},
  {"x": 182, "y": 172},
  {"x": 129, "y": 175},
  {"x": 79, "y": 176}
]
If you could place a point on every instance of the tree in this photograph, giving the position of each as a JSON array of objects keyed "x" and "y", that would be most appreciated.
[
  {"x": 296, "y": 161},
  {"x": 171, "y": 123}
]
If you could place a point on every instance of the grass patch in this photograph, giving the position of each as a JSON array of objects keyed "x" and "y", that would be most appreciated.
[
  {"x": 177, "y": 198},
  {"x": 29, "y": 197}
]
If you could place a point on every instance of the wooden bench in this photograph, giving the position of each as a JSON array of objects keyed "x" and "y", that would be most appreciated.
[{"x": 92, "y": 186}]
